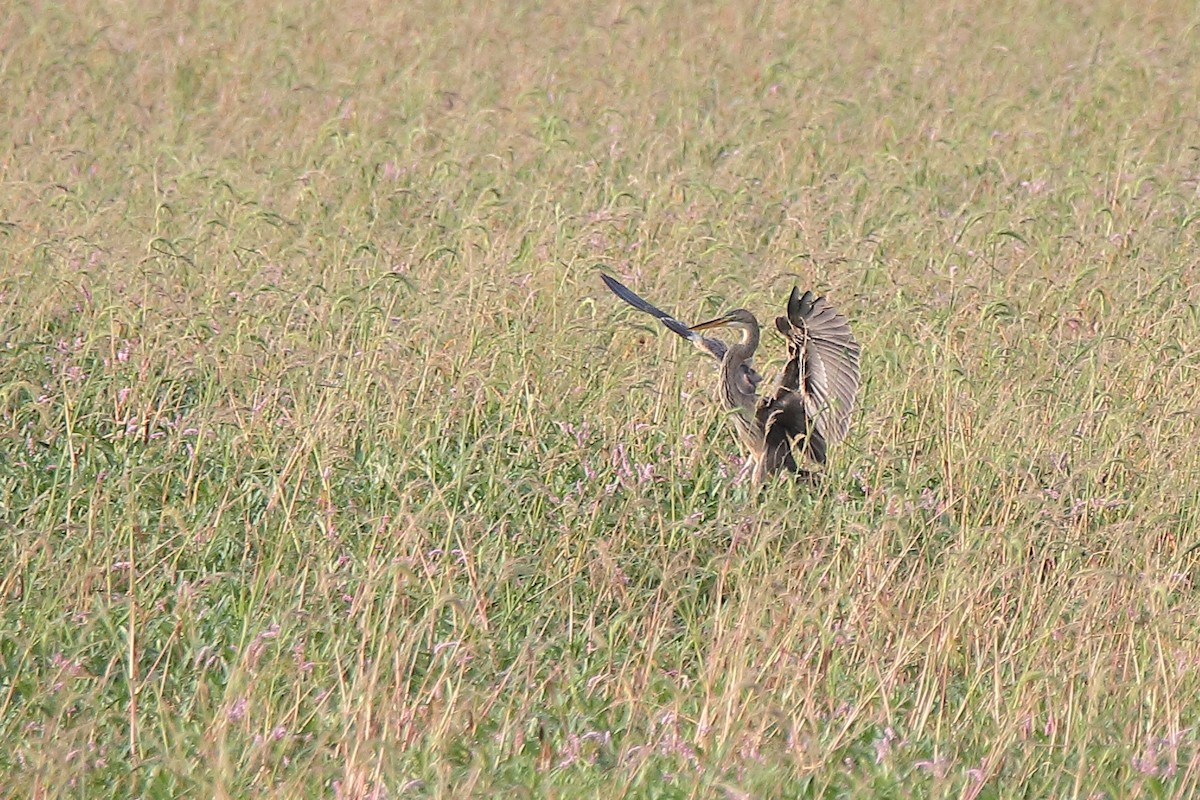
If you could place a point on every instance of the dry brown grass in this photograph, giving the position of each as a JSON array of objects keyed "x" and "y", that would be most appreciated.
[{"x": 330, "y": 468}]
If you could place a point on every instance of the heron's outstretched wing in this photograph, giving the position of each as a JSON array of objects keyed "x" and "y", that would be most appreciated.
[
  {"x": 714, "y": 347},
  {"x": 817, "y": 390},
  {"x": 785, "y": 422}
]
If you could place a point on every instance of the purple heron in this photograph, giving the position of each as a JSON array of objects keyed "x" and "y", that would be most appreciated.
[{"x": 809, "y": 407}]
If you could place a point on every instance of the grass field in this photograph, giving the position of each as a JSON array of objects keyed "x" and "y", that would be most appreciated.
[{"x": 329, "y": 468}]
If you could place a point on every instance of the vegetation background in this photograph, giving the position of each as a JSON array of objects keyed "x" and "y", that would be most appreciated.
[{"x": 328, "y": 468}]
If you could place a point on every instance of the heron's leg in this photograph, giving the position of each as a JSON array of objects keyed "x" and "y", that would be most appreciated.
[{"x": 810, "y": 477}]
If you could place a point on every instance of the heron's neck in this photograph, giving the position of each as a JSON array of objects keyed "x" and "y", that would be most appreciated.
[
  {"x": 740, "y": 352},
  {"x": 738, "y": 393}
]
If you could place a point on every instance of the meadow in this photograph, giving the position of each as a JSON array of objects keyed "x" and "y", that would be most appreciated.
[{"x": 329, "y": 468}]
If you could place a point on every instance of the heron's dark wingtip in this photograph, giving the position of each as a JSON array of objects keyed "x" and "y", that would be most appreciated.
[
  {"x": 677, "y": 326},
  {"x": 623, "y": 292},
  {"x": 793, "y": 307},
  {"x": 800, "y": 306}
]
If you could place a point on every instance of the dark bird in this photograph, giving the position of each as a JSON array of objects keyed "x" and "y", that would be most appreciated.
[{"x": 810, "y": 405}]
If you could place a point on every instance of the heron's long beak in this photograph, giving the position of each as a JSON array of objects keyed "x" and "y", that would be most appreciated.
[{"x": 712, "y": 323}]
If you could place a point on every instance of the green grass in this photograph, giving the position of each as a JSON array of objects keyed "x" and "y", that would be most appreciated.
[{"x": 328, "y": 467}]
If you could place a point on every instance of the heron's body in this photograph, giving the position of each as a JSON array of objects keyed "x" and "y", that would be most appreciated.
[{"x": 808, "y": 408}]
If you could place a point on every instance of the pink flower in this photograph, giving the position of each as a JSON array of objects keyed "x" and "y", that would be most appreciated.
[
  {"x": 938, "y": 766},
  {"x": 883, "y": 745},
  {"x": 237, "y": 711}
]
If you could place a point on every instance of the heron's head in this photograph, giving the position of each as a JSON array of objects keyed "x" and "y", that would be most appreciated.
[{"x": 738, "y": 318}]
